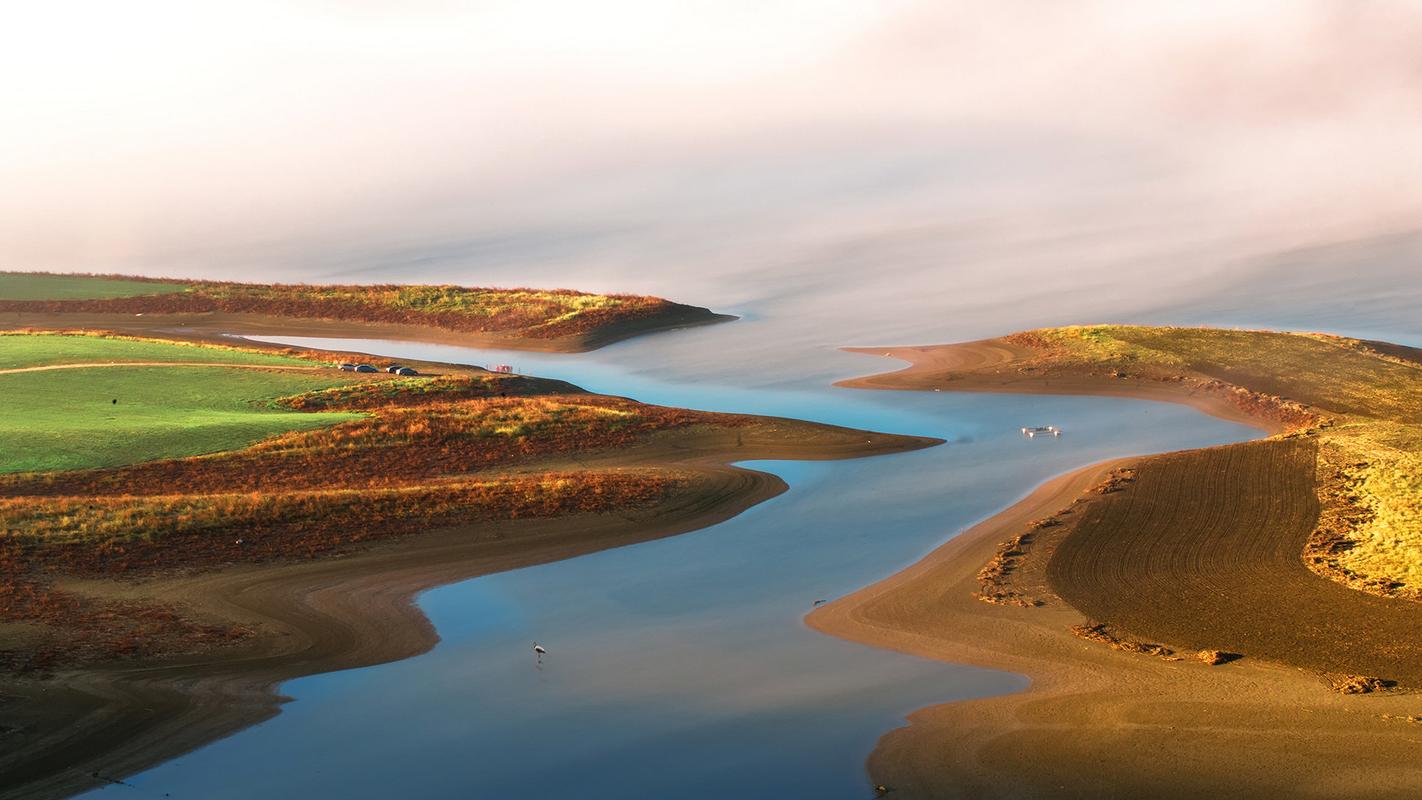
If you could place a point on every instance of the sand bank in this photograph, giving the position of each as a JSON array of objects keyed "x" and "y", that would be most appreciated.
[
  {"x": 988, "y": 366},
  {"x": 1098, "y": 722}
]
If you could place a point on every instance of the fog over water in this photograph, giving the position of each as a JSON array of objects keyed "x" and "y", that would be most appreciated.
[{"x": 853, "y": 171}]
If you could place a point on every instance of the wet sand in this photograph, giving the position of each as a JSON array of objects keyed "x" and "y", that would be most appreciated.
[{"x": 1098, "y": 722}]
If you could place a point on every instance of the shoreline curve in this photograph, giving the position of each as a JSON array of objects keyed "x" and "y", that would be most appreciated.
[{"x": 1095, "y": 722}]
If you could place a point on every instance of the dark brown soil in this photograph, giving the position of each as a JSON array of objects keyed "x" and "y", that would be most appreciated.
[{"x": 1202, "y": 553}]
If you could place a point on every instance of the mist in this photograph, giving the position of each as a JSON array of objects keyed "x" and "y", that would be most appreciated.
[{"x": 841, "y": 172}]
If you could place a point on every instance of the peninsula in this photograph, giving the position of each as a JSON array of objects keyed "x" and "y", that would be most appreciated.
[{"x": 1252, "y": 607}]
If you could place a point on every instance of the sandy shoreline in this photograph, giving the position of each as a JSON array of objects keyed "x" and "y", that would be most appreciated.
[
  {"x": 315, "y": 617},
  {"x": 1097, "y": 722},
  {"x": 929, "y": 368}
]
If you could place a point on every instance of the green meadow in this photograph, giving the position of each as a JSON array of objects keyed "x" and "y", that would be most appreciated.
[
  {"x": 29, "y": 286},
  {"x": 68, "y": 419},
  {"x": 36, "y": 350}
]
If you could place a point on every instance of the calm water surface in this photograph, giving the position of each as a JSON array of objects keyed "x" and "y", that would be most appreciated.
[{"x": 681, "y": 667}]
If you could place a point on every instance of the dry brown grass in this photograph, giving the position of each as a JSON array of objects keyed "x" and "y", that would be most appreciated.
[
  {"x": 994, "y": 579},
  {"x": 1358, "y": 684},
  {"x": 525, "y": 313},
  {"x": 429, "y": 453},
  {"x": 1100, "y": 632},
  {"x": 1361, "y": 400},
  {"x": 1214, "y": 658}
]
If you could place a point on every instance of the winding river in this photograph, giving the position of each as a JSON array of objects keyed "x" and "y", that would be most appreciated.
[{"x": 681, "y": 667}]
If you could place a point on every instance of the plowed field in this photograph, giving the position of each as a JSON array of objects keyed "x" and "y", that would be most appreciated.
[{"x": 1202, "y": 552}]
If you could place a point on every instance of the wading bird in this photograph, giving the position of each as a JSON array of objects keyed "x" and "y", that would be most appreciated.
[{"x": 539, "y": 650}]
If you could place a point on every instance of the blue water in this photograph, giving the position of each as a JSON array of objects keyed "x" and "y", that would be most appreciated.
[{"x": 682, "y": 667}]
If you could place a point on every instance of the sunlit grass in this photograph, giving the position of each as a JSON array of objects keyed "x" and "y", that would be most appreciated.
[
  {"x": 426, "y": 442},
  {"x": 40, "y": 286},
  {"x": 109, "y": 416},
  {"x": 20, "y": 349},
  {"x": 526, "y": 313}
]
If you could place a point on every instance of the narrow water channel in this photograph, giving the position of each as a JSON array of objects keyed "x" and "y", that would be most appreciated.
[{"x": 682, "y": 667}]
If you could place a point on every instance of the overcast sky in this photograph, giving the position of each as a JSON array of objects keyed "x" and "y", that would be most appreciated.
[{"x": 735, "y": 152}]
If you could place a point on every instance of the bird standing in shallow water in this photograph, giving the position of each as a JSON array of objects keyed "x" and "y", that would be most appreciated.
[{"x": 539, "y": 651}]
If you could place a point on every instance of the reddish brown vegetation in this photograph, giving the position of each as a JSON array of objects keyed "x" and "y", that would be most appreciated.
[
  {"x": 80, "y": 628},
  {"x": 124, "y": 535},
  {"x": 529, "y": 313},
  {"x": 427, "y": 456},
  {"x": 414, "y": 392},
  {"x": 406, "y": 441}
]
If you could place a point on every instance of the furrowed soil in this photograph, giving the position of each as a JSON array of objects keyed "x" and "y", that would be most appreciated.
[
  {"x": 1202, "y": 552},
  {"x": 1195, "y": 551}
]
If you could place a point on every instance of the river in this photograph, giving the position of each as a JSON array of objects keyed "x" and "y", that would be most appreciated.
[{"x": 682, "y": 667}]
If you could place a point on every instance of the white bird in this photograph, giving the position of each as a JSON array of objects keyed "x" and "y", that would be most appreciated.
[{"x": 539, "y": 650}]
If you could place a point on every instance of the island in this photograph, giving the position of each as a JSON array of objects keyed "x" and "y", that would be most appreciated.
[{"x": 522, "y": 319}]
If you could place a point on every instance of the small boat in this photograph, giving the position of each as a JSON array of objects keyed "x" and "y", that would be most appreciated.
[{"x": 1042, "y": 429}]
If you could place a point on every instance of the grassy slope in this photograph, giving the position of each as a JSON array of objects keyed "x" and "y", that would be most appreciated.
[
  {"x": 515, "y": 313},
  {"x": 24, "y": 286},
  {"x": 1370, "y": 462},
  {"x": 66, "y": 419},
  {"x": 32, "y": 350}
]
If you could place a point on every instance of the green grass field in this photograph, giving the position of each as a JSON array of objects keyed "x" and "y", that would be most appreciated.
[
  {"x": 35, "y": 350},
  {"x": 66, "y": 419},
  {"x": 22, "y": 286}
]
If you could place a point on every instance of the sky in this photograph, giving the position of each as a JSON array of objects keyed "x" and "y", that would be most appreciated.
[{"x": 790, "y": 157}]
